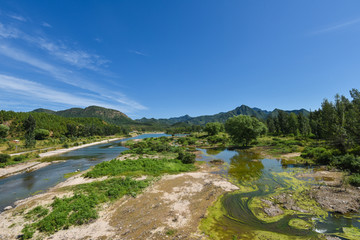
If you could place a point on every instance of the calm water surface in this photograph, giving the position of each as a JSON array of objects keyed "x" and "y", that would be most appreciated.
[{"x": 25, "y": 184}]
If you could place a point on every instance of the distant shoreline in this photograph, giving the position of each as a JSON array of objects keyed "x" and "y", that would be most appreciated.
[{"x": 35, "y": 165}]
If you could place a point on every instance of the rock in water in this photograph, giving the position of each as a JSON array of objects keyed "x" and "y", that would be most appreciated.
[{"x": 8, "y": 208}]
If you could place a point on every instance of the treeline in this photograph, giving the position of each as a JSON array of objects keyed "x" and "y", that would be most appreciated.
[
  {"x": 59, "y": 126},
  {"x": 289, "y": 123},
  {"x": 338, "y": 122}
]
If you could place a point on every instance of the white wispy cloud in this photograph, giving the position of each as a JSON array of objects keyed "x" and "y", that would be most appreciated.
[
  {"x": 80, "y": 59},
  {"x": 35, "y": 90},
  {"x": 69, "y": 77},
  {"x": 138, "y": 52},
  {"x": 8, "y": 32},
  {"x": 17, "y": 17},
  {"x": 45, "y": 24},
  {"x": 338, "y": 26},
  {"x": 74, "y": 57}
]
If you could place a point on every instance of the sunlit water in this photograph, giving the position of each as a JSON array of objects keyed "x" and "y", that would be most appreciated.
[
  {"x": 246, "y": 168},
  {"x": 25, "y": 184}
]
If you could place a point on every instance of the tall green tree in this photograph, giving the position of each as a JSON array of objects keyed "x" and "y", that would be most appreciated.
[
  {"x": 4, "y": 131},
  {"x": 293, "y": 124},
  {"x": 213, "y": 128},
  {"x": 243, "y": 129},
  {"x": 29, "y": 126},
  {"x": 304, "y": 125}
]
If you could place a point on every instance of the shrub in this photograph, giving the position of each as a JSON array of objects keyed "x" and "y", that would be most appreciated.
[
  {"x": 11, "y": 146},
  {"x": 19, "y": 158},
  {"x": 41, "y": 134},
  {"x": 4, "y": 157},
  {"x": 217, "y": 139},
  {"x": 319, "y": 154},
  {"x": 186, "y": 157},
  {"x": 347, "y": 162},
  {"x": 355, "y": 180}
]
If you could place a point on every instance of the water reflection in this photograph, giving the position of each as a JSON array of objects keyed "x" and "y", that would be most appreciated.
[
  {"x": 245, "y": 166},
  {"x": 28, "y": 181},
  {"x": 266, "y": 177},
  {"x": 214, "y": 151}
]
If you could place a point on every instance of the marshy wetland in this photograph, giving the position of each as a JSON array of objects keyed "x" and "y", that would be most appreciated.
[{"x": 274, "y": 201}]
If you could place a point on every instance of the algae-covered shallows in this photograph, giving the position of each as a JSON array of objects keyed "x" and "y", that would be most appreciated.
[{"x": 265, "y": 184}]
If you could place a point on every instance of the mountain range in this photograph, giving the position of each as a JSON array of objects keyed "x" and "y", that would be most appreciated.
[
  {"x": 221, "y": 117},
  {"x": 119, "y": 118}
]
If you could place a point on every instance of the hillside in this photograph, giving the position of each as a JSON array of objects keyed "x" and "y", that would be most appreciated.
[
  {"x": 220, "y": 117},
  {"x": 106, "y": 114},
  {"x": 58, "y": 125}
]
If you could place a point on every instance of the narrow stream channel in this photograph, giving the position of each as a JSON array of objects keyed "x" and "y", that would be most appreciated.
[
  {"x": 260, "y": 179},
  {"x": 25, "y": 184}
]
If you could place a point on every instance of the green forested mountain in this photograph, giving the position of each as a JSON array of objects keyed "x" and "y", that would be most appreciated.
[
  {"x": 221, "y": 117},
  {"x": 108, "y": 115},
  {"x": 58, "y": 125}
]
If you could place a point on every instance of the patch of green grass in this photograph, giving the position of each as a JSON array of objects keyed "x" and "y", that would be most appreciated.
[
  {"x": 12, "y": 225},
  {"x": 37, "y": 212},
  {"x": 139, "y": 167},
  {"x": 81, "y": 207},
  {"x": 36, "y": 192},
  {"x": 170, "y": 232},
  {"x": 70, "y": 174}
]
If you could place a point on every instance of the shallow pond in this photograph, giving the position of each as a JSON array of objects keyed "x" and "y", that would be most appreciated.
[
  {"x": 25, "y": 184},
  {"x": 240, "y": 215}
]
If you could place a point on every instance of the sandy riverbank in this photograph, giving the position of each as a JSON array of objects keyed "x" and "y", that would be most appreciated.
[
  {"x": 34, "y": 165},
  {"x": 174, "y": 203}
]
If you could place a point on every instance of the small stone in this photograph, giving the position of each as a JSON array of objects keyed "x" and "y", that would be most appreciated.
[{"x": 8, "y": 208}]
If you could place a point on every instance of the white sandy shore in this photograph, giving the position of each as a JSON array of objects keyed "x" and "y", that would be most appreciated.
[
  {"x": 34, "y": 165},
  {"x": 64, "y": 150}
]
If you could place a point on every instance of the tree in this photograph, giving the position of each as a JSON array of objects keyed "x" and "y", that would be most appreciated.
[
  {"x": 283, "y": 122},
  {"x": 4, "y": 131},
  {"x": 270, "y": 122},
  {"x": 213, "y": 128},
  {"x": 243, "y": 129},
  {"x": 41, "y": 134},
  {"x": 304, "y": 125},
  {"x": 29, "y": 126},
  {"x": 293, "y": 124}
]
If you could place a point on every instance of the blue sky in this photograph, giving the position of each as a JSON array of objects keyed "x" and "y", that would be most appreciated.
[{"x": 171, "y": 58}]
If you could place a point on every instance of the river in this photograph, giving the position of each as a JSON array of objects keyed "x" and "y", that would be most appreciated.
[
  {"x": 25, "y": 184},
  {"x": 240, "y": 214}
]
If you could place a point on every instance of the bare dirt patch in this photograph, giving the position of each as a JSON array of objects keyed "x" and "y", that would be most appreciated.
[
  {"x": 290, "y": 155},
  {"x": 169, "y": 209},
  {"x": 329, "y": 178},
  {"x": 337, "y": 199},
  {"x": 172, "y": 207}
]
